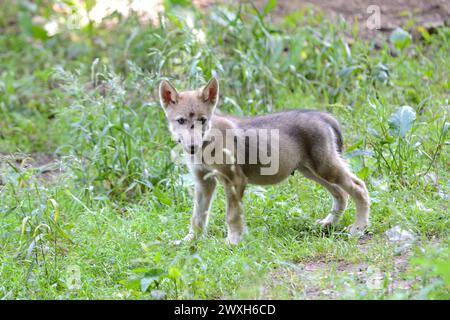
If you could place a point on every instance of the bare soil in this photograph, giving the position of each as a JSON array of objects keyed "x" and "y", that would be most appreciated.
[
  {"x": 309, "y": 278},
  {"x": 430, "y": 14},
  {"x": 43, "y": 165}
]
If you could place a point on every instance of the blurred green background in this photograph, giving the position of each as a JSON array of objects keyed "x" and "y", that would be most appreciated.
[{"x": 87, "y": 182}]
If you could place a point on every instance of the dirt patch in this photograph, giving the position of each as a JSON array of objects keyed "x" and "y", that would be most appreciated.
[
  {"x": 42, "y": 166},
  {"x": 318, "y": 278},
  {"x": 430, "y": 14}
]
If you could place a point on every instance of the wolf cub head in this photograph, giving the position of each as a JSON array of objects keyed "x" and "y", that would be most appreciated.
[{"x": 189, "y": 112}]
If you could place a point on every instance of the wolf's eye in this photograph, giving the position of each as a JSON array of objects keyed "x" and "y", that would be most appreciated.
[
  {"x": 203, "y": 120},
  {"x": 181, "y": 120}
]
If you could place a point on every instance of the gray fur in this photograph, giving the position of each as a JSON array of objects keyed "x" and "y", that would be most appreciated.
[{"x": 310, "y": 142}]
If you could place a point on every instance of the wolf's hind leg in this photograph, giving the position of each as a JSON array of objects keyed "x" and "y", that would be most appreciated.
[
  {"x": 338, "y": 173},
  {"x": 340, "y": 198}
]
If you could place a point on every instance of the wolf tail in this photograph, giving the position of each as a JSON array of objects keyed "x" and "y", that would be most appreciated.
[
  {"x": 339, "y": 140},
  {"x": 334, "y": 124}
]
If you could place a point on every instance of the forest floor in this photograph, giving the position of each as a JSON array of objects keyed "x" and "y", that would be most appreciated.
[{"x": 92, "y": 205}]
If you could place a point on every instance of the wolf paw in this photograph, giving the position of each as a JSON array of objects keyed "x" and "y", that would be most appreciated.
[
  {"x": 189, "y": 237},
  {"x": 327, "y": 221},
  {"x": 358, "y": 228},
  {"x": 233, "y": 239}
]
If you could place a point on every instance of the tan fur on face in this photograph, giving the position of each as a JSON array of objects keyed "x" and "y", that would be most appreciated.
[
  {"x": 310, "y": 142},
  {"x": 192, "y": 107}
]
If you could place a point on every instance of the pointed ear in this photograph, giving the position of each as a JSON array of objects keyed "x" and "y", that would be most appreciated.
[
  {"x": 210, "y": 92},
  {"x": 167, "y": 94}
]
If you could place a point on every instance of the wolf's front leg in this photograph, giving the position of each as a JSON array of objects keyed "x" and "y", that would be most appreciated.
[
  {"x": 234, "y": 190},
  {"x": 204, "y": 189}
]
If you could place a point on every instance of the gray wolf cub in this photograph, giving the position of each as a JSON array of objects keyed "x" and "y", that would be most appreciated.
[{"x": 259, "y": 150}]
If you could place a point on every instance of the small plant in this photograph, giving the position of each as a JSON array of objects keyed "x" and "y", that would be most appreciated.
[
  {"x": 113, "y": 142},
  {"x": 181, "y": 280},
  {"x": 43, "y": 232},
  {"x": 433, "y": 268},
  {"x": 400, "y": 38}
]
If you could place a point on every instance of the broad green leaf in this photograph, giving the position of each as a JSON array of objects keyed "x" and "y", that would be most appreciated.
[
  {"x": 401, "y": 121},
  {"x": 363, "y": 173},
  {"x": 39, "y": 32},
  {"x": 382, "y": 72},
  {"x": 132, "y": 284},
  {"x": 146, "y": 282},
  {"x": 30, "y": 29},
  {"x": 140, "y": 270},
  {"x": 174, "y": 273},
  {"x": 400, "y": 38},
  {"x": 270, "y": 5}
]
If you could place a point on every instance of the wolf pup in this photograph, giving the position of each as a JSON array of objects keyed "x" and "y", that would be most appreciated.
[{"x": 259, "y": 150}]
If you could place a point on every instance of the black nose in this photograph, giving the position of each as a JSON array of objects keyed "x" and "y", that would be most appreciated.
[{"x": 192, "y": 149}]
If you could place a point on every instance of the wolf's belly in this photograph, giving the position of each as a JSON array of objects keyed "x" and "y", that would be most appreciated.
[
  {"x": 283, "y": 161},
  {"x": 272, "y": 173},
  {"x": 256, "y": 178}
]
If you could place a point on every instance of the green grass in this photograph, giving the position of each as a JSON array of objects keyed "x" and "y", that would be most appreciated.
[{"x": 87, "y": 97}]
